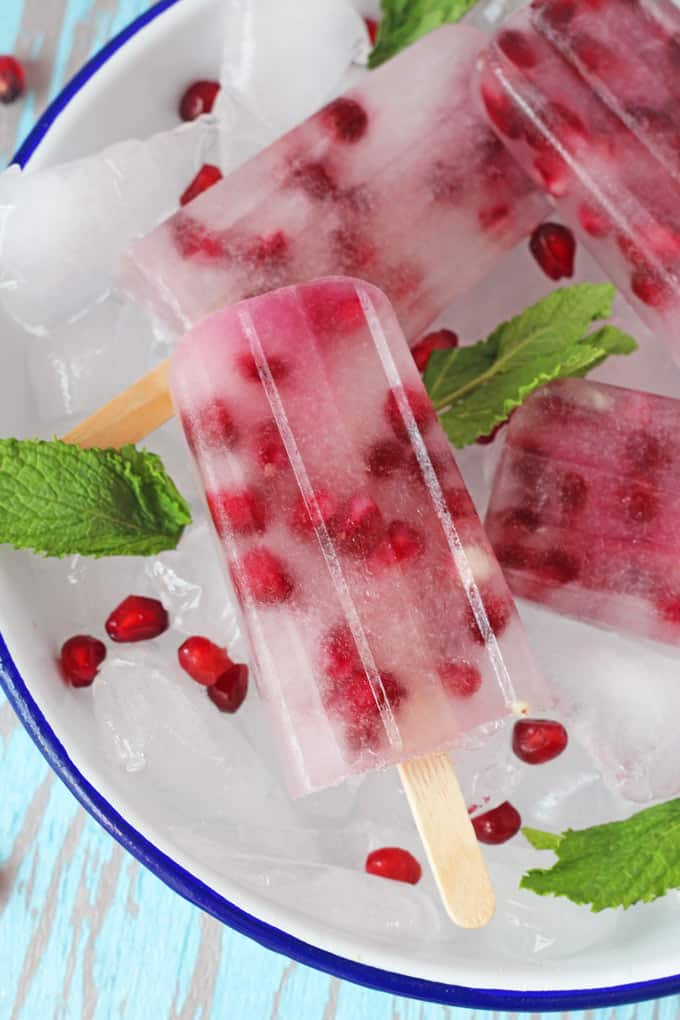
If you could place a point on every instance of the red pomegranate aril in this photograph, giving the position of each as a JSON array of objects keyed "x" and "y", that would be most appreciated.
[
  {"x": 523, "y": 518},
  {"x": 498, "y": 825},
  {"x": 553, "y": 173},
  {"x": 559, "y": 567},
  {"x": 244, "y": 511},
  {"x": 669, "y": 609},
  {"x": 195, "y": 241},
  {"x": 359, "y": 708},
  {"x": 276, "y": 367},
  {"x": 650, "y": 288},
  {"x": 354, "y": 251},
  {"x": 340, "y": 657},
  {"x": 334, "y": 314},
  {"x": 460, "y": 678},
  {"x": 494, "y": 215},
  {"x": 80, "y": 659},
  {"x": 553, "y": 246},
  {"x": 419, "y": 404},
  {"x": 385, "y": 457},
  {"x": 644, "y": 452},
  {"x": 269, "y": 449},
  {"x": 345, "y": 119},
  {"x": 269, "y": 250},
  {"x": 322, "y": 511},
  {"x": 229, "y": 691},
  {"x": 315, "y": 180},
  {"x": 198, "y": 99},
  {"x": 498, "y": 613},
  {"x": 372, "y": 28},
  {"x": 203, "y": 660},
  {"x": 517, "y": 48},
  {"x": 594, "y": 221},
  {"x": 501, "y": 111},
  {"x": 513, "y": 556},
  {"x": 394, "y": 863},
  {"x": 640, "y": 504},
  {"x": 137, "y": 618},
  {"x": 406, "y": 542},
  {"x": 536, "y": 741},
  {"x": 573, "y": 491},
  {"x": 12, "y": 79},
  {"x": 206, "y": 177},
  {"x": 213, "y": 426},
  {"x": 459, "y": 503},
  {"x": 264, "y": 577},
  {"x": 363, "y": 526},
  {"x": 438, "y": 340}
]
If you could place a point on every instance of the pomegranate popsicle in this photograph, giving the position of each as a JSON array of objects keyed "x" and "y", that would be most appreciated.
[
  {"x": 587, "y": 527},
  {"x": 380, "y": 624},
  {"x": 585, "y": 96},
  {"x": 399, "y": 182}
]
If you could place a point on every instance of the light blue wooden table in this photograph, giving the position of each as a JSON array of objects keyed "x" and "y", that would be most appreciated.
[{"x": 85, "y": 932}]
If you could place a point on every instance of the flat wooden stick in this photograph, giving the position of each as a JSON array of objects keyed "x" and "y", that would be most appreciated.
[
  {"x": 430, "y": 783},
  {"x": 129, "y": 417},
  {"x": 439, "y": 810}
]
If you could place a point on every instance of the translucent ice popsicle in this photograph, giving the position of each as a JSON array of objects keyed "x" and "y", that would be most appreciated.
[
  {"x": 399, "y": 182},
  {"x": 380, "y": 623},
  {"x": 585, "y": 511},
  {"x": 586, "y": 97}
]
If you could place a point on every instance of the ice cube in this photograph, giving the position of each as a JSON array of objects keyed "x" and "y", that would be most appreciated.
[{"x": 63, "y": 229}]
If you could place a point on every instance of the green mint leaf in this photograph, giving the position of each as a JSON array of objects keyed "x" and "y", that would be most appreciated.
[
  {"x": 57, "y": 500},
  {"x": 475, "y": 388},
  {"x": 404, "y": 21},
  {"x": 615, "y": 865},
  {"x": 541, "y": 840}
]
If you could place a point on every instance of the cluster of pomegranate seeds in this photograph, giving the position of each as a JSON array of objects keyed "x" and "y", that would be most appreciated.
[
  {"x": 395, "y": 863},
  {"x": 210, "y": 666},
  {"x": 438, "y": 340},
  {"x": 536, "y": 741},
  {"x": 12, "y": 79},
  {"x": 199, "y": 98},
  {"x": 80, "y": 659},
  {"x": 498, "y": 825},
  {"x": 554, "y": 247},
  {"x": 206, "y": 177},
  {"x": 137, "y": 618}
]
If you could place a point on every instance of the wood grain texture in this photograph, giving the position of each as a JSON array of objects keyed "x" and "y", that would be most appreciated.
[{"x": 85, "y": 932}]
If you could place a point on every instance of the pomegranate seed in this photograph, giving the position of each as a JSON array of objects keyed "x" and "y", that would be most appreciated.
[
  {"x": 498, "y": 613},
  {"x": 517, "y": 48},
  {"x": 244, "y": 512},
  {"x": 277, "y": 368},
  {"x": 204, "y": 661},
  {"x": 498, "y": 825},
  {"x": 269, "y": 448},
  {"x": 270, "y": 250},
  {"x": 459, "y": 503},
  {"x": 640, "y": 504},
  {"x": 12, "y": 79},
  {"x": 523, "y": 519},
  {"x": 559, "y": 567},
  {"x": 553, "y": 173},
  {"x": 573, "y": 491},
  {"x": 553, "y": 246},
  {"x": 536, "y": 741},
  {"x": 495, "y": 215},
  {"x": 644, "y": 452},
  {"x": 198, "y": 99},
  {"x": 558, "y": 13},
  {"x": 503, "y": 115},
  {"x": 340, "y": 655},
  {"x": 512, "y": 556},
  {"x": 338, "y": 312},
  {"x": 264, "y": 577},
  {"x": 355, "y": 703},
  {"x": 421, "y": 409},
  {"x": 315, "y": 180},
  {"x": 363, "y": 526},
  {"x": 195, "y": 241},
  {"x": 80, "y": 659},
  {"x": 460, "y": 678},
  {"x": 352, "y": 251},
  {"x": 322, "y": 512},
  {"x": 229, "y": 692},
  {"x": 345, "y": 119},
  {"x": 594, "y": 221},
  {"x": 137, "y": 618},
  {"x": 669, "y": 609},
  {"x": 372, "y": 29},
  {"x": 394, "y": 863},
  {"x": 406, "y": 542},
  {"x": 204, "y": 179},
  {"x": 439, "y": 340},
  {"x": 650, "y": 288},
  {"x": 385, "y": 457},
  {"x": 212, "y": 426}
]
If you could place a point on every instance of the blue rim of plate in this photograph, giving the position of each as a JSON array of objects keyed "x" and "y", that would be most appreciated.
[{"x": 181, "y": 880}]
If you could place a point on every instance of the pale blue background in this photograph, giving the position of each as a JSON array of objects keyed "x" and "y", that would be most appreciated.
[{"x": 85, "y": 932}]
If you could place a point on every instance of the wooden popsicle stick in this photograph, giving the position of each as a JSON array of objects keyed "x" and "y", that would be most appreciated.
[
  {"x": 129, "y": 417},
  {"x": 439, "y": 811},
  {"x": 430, "y": 783}
]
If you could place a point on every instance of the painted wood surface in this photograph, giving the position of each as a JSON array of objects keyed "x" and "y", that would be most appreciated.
[{"x": 85, "y": 932}]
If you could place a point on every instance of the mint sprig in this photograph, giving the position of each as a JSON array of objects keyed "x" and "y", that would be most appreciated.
[
  {"x": 475, "y": 388},
  {"x": 612, "y": 865},
  {"x": 57, "y": 500},
  {"x": 404, "y": 21}
]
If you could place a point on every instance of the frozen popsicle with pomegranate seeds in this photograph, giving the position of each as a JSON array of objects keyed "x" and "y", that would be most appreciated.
[
  {"x": 585, "y": 511},
  {"x": 399, "y": 182},
  {"x": 586, "y": 97},
  {"x": 380, "y": 623}
]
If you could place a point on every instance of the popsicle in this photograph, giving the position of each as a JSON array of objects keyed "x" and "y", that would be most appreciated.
[
  {"x": 585, "y": 511},
  {"x": 399, "y": 182},
  {"x": 585, "y": 96}
]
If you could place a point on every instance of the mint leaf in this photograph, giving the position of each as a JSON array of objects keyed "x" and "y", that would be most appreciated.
[
  {"x": 613, "y": 865},
  {"x": 541, "y": 840},
  {"x": 404, "y": 21},
  {"x": 58, "y": 499},
  {"x": 475, "y": 388}
]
